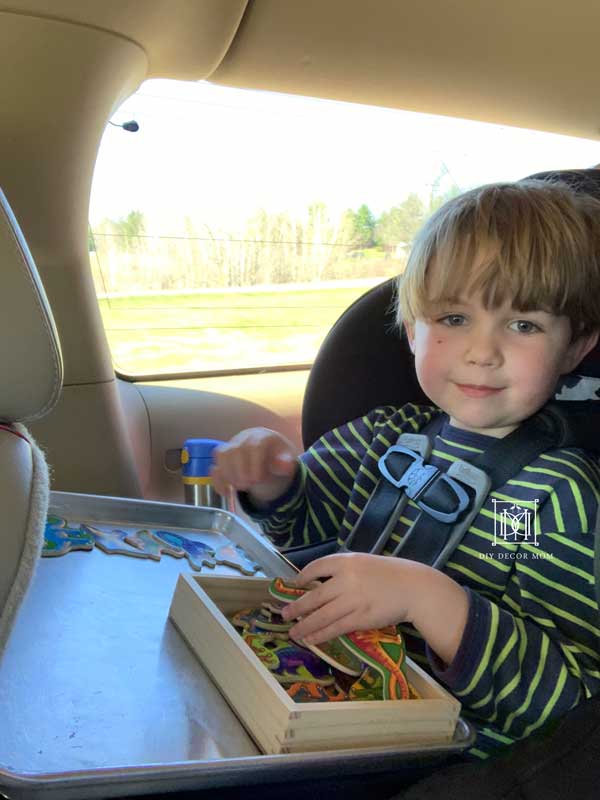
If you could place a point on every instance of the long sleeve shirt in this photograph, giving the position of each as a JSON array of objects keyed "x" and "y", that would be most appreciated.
[{"x": 531, "y": 646}]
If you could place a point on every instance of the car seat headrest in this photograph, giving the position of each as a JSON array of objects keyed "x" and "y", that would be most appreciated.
[{"x": 30, "y": 359}]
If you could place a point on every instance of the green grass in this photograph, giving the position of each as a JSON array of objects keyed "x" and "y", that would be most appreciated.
[{"x": 221, "y": 330}]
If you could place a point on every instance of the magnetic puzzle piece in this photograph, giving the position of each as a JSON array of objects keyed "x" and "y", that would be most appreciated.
[
  {"x": 334, "y": 652},
  {"x": 148, "y": 543},
  {"x": 383, "y": 650},
  {"x": 284, "y": 592},
  {"x": 370, "y": 687},
  {"x": 197, "y": 553},
  {"x": 112, "y": 542},
  {"x": 287, "y": 661},
  {"x": 303, "y": 692},
  {"x": 255, "y": 620},
  {"x": 60, "y": 539},
  {"x": 230, "y": 555}
]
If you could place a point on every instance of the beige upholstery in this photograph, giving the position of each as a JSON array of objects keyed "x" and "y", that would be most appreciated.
[
  {"x": 30, "y": 360},
  {"x": 31, "y": 379}
]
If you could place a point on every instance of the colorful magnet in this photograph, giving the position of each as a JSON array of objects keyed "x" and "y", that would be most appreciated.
[
  {"x": 112, "y": 542},
  {"x": 384, "y": 651},
  {"x": 230, "y": 555},
  {"x": 60, "y": 539},
  {"x": 303, "y": 692},
  {"x": 285, "y": 592},
  {"x": 334, "y": 652},
  {"x": 337, "y": 655},
  {"x": 287, "y": 661},
  {"x": 256, "y": 620},
  {"x": 197, "y": 553},
  {"x": 148, "y": 543}
]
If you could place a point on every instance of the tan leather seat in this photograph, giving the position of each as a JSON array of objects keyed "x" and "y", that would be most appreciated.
[{"x": 31, "y": 370}]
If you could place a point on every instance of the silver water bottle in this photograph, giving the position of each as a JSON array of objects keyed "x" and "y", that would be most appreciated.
[{"x": 196, "y": 460}]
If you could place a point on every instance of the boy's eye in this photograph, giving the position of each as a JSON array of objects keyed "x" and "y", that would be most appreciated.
[
  {"x": 524, "y": 326},
  {"x": 452, "y": 320}
]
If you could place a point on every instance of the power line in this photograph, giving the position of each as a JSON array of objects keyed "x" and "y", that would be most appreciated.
[
  {"x": 215, "y": 327},
  {"x": 179, "y": 308},
  {"x": 221, "y": 239}
]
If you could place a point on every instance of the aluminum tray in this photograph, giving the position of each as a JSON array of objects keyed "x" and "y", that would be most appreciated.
[{"x": 100, "y": 695}]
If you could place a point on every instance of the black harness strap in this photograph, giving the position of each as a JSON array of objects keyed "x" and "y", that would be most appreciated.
[
  {"x": 557, "y": 424},
  {"x": 503, "y": 459},
  {"x": 386, "y": 502}
]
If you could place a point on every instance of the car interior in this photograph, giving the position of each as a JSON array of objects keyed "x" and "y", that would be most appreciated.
[{"x": 71, "y": 423}]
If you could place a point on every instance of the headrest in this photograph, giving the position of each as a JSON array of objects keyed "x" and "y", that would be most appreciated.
[
  {"x": 588, "y": 181},
  {"x": 31, "y": 369}
]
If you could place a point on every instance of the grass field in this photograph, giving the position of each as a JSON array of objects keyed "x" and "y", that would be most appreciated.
[{"x": 199, "y": 331}]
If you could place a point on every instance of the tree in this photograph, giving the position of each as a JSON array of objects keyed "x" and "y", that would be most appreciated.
[
  {"x": 400, "y": 224},
  {"x": 364, "y": 227}
]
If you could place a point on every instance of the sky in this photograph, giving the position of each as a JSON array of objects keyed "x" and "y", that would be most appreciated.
[{"x": 218, "y": 155}]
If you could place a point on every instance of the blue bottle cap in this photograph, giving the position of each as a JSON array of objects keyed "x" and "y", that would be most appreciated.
[{"x": 197, "y": 457}]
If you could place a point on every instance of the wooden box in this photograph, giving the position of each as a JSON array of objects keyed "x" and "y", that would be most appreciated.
[{"x": 277, "y": 723}]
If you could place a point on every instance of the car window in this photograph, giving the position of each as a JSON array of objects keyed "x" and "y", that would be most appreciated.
[{"x": 233, "y": 228}]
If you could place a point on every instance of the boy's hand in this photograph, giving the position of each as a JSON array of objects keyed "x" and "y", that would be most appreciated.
[
  {"x": 366, "y": 591},
  {"x": 258, "y": 461},
  {"x": 363, "y": 592}
]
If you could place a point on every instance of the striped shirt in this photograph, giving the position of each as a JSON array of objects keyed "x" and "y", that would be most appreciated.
[{"x": 530, "y": 650}]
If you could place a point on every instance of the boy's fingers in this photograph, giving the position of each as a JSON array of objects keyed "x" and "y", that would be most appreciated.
[
  {"x": 310, "y": 602},
  {"x": 218, "y": 483},
  {"x": 320, "y": 568},
  {"x": 233, "y": 468},
  {"x": 337, "y": 628},
  {"x": 257, "y": 470},
  {"x": 329, "y": 621},
  {"x": 283, "y": 463}
]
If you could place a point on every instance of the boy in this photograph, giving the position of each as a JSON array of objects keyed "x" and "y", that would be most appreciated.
[{"x": 498, "y": 300}]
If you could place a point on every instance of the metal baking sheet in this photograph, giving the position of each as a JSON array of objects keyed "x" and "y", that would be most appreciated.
[{"x": 100, "y": 695}]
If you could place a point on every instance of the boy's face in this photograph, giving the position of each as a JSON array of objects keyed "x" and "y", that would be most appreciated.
[{"x": 490, "y": 370}]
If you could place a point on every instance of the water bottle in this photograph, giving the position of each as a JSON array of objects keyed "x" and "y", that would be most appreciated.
[{"x": 196, "y": 460}]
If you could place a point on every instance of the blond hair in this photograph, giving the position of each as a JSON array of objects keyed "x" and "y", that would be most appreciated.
[{"x": 535, "y": 243}]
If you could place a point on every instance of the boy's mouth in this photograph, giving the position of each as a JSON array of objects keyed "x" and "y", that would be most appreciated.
[{"x": 477, "y": 391}]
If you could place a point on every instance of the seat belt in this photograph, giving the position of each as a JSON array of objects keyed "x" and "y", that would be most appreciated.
[{"x": 444, "y": 518}]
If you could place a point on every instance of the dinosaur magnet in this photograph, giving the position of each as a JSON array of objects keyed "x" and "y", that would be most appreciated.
[
  {"x": 153, "y": 547},
  {"x": 113, "y": 542},
  {"x": 230, "y": 555},
  {"x": 334, "y": 652},
  {"x": 197, "y": 553},
  {"x": 60, "y": 539},
  {"x": 287, "y": 661},
  {"x": 382, "y": 650}
]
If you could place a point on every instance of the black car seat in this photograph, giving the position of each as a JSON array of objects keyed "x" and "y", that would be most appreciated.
[{"x": 31, "y": 368}]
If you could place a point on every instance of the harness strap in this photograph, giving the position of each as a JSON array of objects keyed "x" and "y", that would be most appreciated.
[
  {"x": 503, "y": 459},
  {"x": 374, "y": 526},
  {"x": 432, "y": 538}
]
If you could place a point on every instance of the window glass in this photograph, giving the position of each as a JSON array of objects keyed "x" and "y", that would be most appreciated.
[{"x": 234, "y": 227}]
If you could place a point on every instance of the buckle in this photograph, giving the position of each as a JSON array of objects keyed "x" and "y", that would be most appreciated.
[{"x": 418, "y": 478}]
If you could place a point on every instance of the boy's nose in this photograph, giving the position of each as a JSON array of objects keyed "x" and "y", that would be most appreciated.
[{"x": 484, "y": 351}]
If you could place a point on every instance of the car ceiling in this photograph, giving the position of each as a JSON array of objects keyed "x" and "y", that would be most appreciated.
[
  {"x": 66, "y": 65},
  {"x": 530, "y": 63}
]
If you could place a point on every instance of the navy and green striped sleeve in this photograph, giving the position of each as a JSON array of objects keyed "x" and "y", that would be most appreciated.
[
  {"x": 533, "y": 653},
  {"x": 336, "y": 476}
]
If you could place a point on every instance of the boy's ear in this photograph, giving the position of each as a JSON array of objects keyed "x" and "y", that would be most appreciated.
[
  {"x": 578, "y": 350},
  {"x": 410, "y": 335}
]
